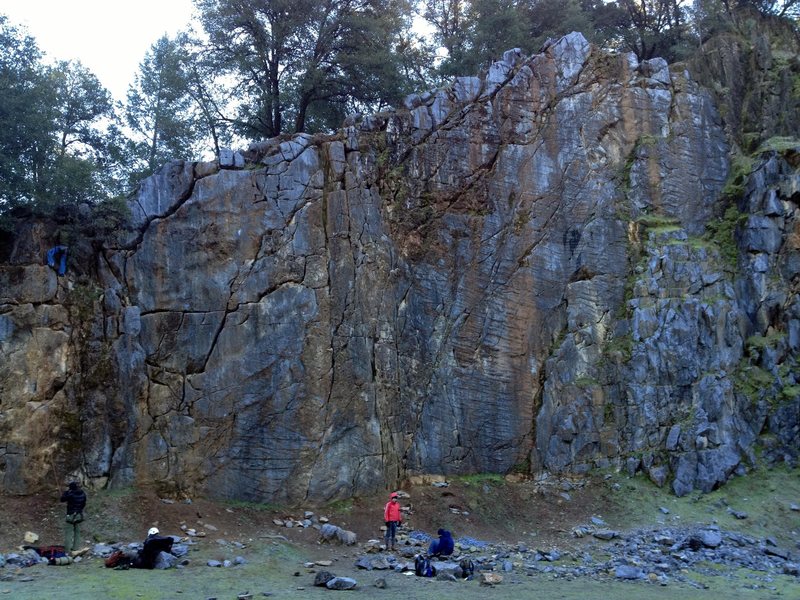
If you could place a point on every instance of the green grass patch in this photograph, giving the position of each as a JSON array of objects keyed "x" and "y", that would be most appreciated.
[
  {"x": 278, "y": 573},
  {"x": 619, "y": 348},
  {"x": 270, "y": 568},
  {"x": 762, "y": 342},
  {"x": 790, "y": 392},
  {"x": 341, "y": 506},
  {"x": 585, "y": 382},
  {"x": 523, "y": 467},
  {"x": 721, "y": 233},
  {"x": 481, "y": 479},
  {"x": 659, "y": 223},
  {"x": 779, "y": 144},
  {"x": 741, "y": 168},
  {"x": 111, "y": 495},
  {"x": 256, "y": 506},
  {"x": 697, "y": 243},
  {"x": 765, "y": 494},
  {"x": 753, "y": 381}
]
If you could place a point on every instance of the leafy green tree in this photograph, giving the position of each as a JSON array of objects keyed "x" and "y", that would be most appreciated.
[
  {"x": 54, "y": 143},
  {"x": 85, "y": 129},
  {"x": 789, "y": 9},
  {"x": 416, "y": 57},
  {"x": 449, "y": 20},
  {"x": 81, "y": 101},
  {"x": 306, "y": 63},
  {"x": 208, "y": 91},
  {"x": 652, "y": 28},
  {"x": 474, "y": 33},
  {"x": 27, "y": 117},
  {"x": 554, "y": 18},
  {"x": 495, "y": 26},
  {"x": 160, "y": 110},
  {"x": 76, "y": 169}
]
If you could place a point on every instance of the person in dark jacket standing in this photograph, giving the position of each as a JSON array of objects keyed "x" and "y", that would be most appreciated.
[
  {"x": 75, "y": 498},
  {"x": 392, "y": 518},
  {"x": 443, "y": 546}
]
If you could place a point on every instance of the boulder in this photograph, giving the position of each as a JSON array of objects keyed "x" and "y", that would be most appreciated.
[
  {"x": 711, "y": 538},
  {"x": 322, "y": 578},
  {"x": 628, "y": 572},
  {"x": 489, "y": 578},
  {"x": 348, "y": 538},
  {"x": 30, "y": 537},
  {"x": 341, "y": 583},
  {"x": 165, "y": 560}
]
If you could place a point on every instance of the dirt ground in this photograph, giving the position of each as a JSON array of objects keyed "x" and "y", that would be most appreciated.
[
  {"x": 489, "y": 509},
  {"x": 541, "y": 514}
]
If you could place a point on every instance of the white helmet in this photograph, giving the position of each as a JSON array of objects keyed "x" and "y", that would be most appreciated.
[{"x": 152, "y": 531}]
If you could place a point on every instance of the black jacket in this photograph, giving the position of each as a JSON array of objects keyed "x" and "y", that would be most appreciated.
[
  {"x": 153, "y": 546},
  {"x": 75, "y": 499}
]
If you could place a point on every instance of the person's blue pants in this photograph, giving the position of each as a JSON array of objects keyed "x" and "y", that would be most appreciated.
[{"x": 391, "y": 532}]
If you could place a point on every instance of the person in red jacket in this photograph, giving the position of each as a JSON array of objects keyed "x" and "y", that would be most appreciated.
[{"x": 392, "y": 518}]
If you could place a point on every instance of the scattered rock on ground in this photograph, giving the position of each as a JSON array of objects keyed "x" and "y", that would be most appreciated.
[
  {"x": 341, "y": 583},
  {"x": 628, "y": 572},
  {"x": 491, "y": 578},
  {"x": 30, "y": 537},
  {"x": 322, "y": 578}
]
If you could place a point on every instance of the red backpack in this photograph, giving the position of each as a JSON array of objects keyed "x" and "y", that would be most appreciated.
[{"x": 115, "y": 558}]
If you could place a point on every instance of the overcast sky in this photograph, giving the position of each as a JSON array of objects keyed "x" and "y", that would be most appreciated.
[{"x": 109, "y": 37}]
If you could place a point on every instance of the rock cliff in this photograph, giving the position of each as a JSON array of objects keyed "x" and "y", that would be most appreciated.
[{"x": 531, "y": 270}]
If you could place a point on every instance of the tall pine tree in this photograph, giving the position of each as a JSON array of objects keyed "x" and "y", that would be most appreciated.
[{"x": 160, "y": 111}]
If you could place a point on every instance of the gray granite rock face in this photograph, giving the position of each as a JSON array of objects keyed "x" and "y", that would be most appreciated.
[{"x": 508, "y": 273}]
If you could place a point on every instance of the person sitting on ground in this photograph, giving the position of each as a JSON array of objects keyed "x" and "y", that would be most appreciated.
[
  {"x": 443, "y": 546},
  {"x": 153, "y": 546}
]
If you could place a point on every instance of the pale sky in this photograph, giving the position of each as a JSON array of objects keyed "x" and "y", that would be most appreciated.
[{"x": 110, "y": 37}]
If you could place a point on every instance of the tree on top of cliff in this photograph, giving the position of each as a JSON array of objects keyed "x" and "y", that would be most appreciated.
[
  {"x": 27, "y": 119},
  {"x": 474, "y": 32},
  {"x": 160, "y": 110},
  {"x": 781, "y": 8},
  {"x": 56, "y": 131},
  {"x": 300, "y": 64}
]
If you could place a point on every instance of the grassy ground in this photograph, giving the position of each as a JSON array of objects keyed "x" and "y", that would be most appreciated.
[
  {"x": 274, "y": 576},
  {"x": 499, "y": 512},
  {"x": 765, "y": 495}
]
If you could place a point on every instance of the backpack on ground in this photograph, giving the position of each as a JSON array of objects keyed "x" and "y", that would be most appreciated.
[
  {"x": 55, "y": 555},
  {"x": 423, "y": 567},
  {"x": 467, "y": 568},
  {"x": 48, "y": 552},
  {"x": 116, "y": 559}
]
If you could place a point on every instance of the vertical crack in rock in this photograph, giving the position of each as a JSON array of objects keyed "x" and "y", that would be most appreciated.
[{"x": 147, "y": 217}]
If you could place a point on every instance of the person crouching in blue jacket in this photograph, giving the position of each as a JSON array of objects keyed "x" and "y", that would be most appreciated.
[{"x": 443, "y": 546}]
